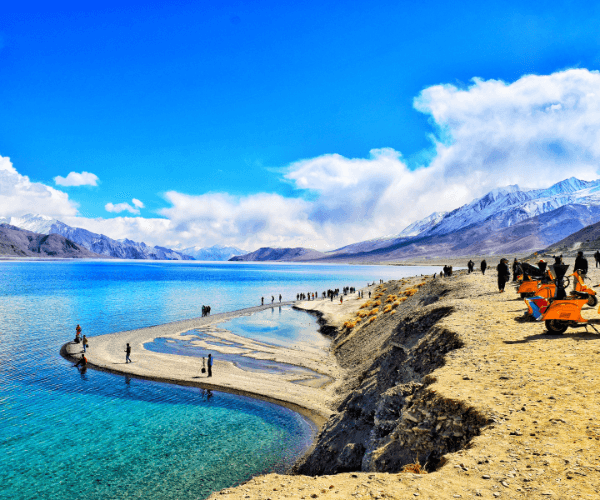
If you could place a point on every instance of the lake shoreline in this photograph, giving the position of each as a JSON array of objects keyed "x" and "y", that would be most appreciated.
[{"x": 105, "y": 353}]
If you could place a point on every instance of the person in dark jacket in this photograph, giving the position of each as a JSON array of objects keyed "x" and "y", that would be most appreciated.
[
  {"x": 597, "y": 257},
  {"x": 483, "y": 266},
  {"x": 503, "y": 274},
  {"x": 581, "y": 263},
  {"x": 542, "y": 264},
  {"x": 470, "y": 266}
]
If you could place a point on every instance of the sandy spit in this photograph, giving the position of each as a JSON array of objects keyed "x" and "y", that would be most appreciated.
[{"x": 309, "y": 398}]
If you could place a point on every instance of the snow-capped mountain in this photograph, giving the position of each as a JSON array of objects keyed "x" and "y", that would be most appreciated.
[
  {"x": 483, "y": 225},
  {"x": 511, "y": 205},
  {"x": 216, "y": 252},
  {"x": 97, "y": 243},
  {"x": 422, "y": 225}
]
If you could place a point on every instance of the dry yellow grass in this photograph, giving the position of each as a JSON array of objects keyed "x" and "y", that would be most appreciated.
[
  {"x": 368, "y": 303},
  {"x": 377, "y": 303},
  {"x": 372, "y": 319},
  {"x": 362, "y": 314},
  {"x": 392, "y": 313},
  {"x": 387, "y": 308},
  {"x": 391, "y": 298},
  {"x": 410, "y": 292},
  {"x": 373, "y": 312}
]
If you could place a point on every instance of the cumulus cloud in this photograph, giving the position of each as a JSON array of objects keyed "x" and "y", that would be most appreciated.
[
  {"x": 535, "y": 131},
  {"x": 19, "y": 196},
  {"x": 76, "y": 179},
  {"x": 124, "y": 207}
]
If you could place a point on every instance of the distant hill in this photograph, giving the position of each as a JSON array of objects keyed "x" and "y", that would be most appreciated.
[
  {"x": 214, "y": 253},
  {"x": 16, "y": 242},
  {"x": 586, "y": 239},
  {"x": 97, "y": 243},
  {"x": 280, "y": 254}
]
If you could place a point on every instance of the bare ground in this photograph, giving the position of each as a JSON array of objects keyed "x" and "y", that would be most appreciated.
[{"x": 512, "y": 408}]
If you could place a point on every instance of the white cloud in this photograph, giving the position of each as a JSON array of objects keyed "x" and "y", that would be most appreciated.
[
  {"x": 534, "y": 132},
  {"x": 75, "y": 179},
  {"x": 19, "y": 196},
  {"x": 121, "y": 207}
]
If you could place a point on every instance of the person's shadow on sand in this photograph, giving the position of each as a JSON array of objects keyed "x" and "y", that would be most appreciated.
[{"x": 555, "y": 336}]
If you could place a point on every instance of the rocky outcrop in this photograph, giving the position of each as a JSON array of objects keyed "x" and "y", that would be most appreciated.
[{"x": 387, "y": 416}]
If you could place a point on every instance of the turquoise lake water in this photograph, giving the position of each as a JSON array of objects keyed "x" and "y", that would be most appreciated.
[{"x": 70, "y": 435}]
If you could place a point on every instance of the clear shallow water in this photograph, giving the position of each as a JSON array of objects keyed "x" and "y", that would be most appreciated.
[{"x": 95, "y": 435}]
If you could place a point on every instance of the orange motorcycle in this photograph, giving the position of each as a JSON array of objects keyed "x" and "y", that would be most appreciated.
[
  {"x": 531, "y": 287},
  {"x": 561, "y": 311}
]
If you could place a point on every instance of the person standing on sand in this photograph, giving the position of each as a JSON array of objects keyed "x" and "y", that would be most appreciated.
[
  {"x": 85, "y": 343},
  {"x": 597, "y": 257},
  {"x": 280, "y": 298},
  {"x": 483, "y": 266},
  {"x": 503, "y": 274},
  {"x": 581, "y": 263},
  {"x": 209, "y": 364},
  {"x": 127, "y": 354},
  {"x": 262, "y": 301}
]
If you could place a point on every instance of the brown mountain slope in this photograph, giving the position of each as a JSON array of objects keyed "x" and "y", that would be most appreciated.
[{"x": 15, "y": 242}]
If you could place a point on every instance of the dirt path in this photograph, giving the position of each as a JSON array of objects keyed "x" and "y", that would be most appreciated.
[{"x": 538, "y": 392}]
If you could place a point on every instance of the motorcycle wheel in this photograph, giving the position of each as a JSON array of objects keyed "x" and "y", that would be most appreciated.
[
  {"x": 592, "y": 300},
  {"x": 556, "y": 326}
]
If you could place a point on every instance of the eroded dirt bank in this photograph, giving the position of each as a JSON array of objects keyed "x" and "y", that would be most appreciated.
[{"x": 495, "y": 406}]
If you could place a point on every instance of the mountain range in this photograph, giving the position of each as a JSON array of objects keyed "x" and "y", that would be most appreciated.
[
  {"x": 505, "y": 221},
  {"x": 16, "y": 242},
  {"x": 214, "y": 253},
  {"x": 96, "y": 243}
]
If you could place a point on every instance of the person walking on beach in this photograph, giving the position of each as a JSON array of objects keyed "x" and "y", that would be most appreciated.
[
  {"x": 483, "y": 266},
  {"x": 503, "y": 274},
  {"x": 127, "y": 354},
  {"x": 209, "y": 364},
  {"x": 262, "y": 301},
  {"x": 280, "y": 298},
  {"x": 85, "y": 343}
]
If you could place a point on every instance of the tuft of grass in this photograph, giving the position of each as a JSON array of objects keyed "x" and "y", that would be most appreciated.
[
  {"x": 421, "y": 284},
  {"x": 368, "y": 303},
  {"x": 373, "y": 312},
  {"x": 377, "y": 303},
  {"x": 387, "y": 308},
  {"x": 362, "y": 314},
  {"x": 410, "y": 292},
  {"x": 372, "y": 319},
  {"x": 393, "y": 312},
  {"x": 415, "y": 468},
  {"x": 391, "y": 298}
]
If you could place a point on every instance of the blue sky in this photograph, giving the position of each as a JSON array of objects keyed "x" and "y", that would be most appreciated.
[{"x": 168, "y": 102}]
